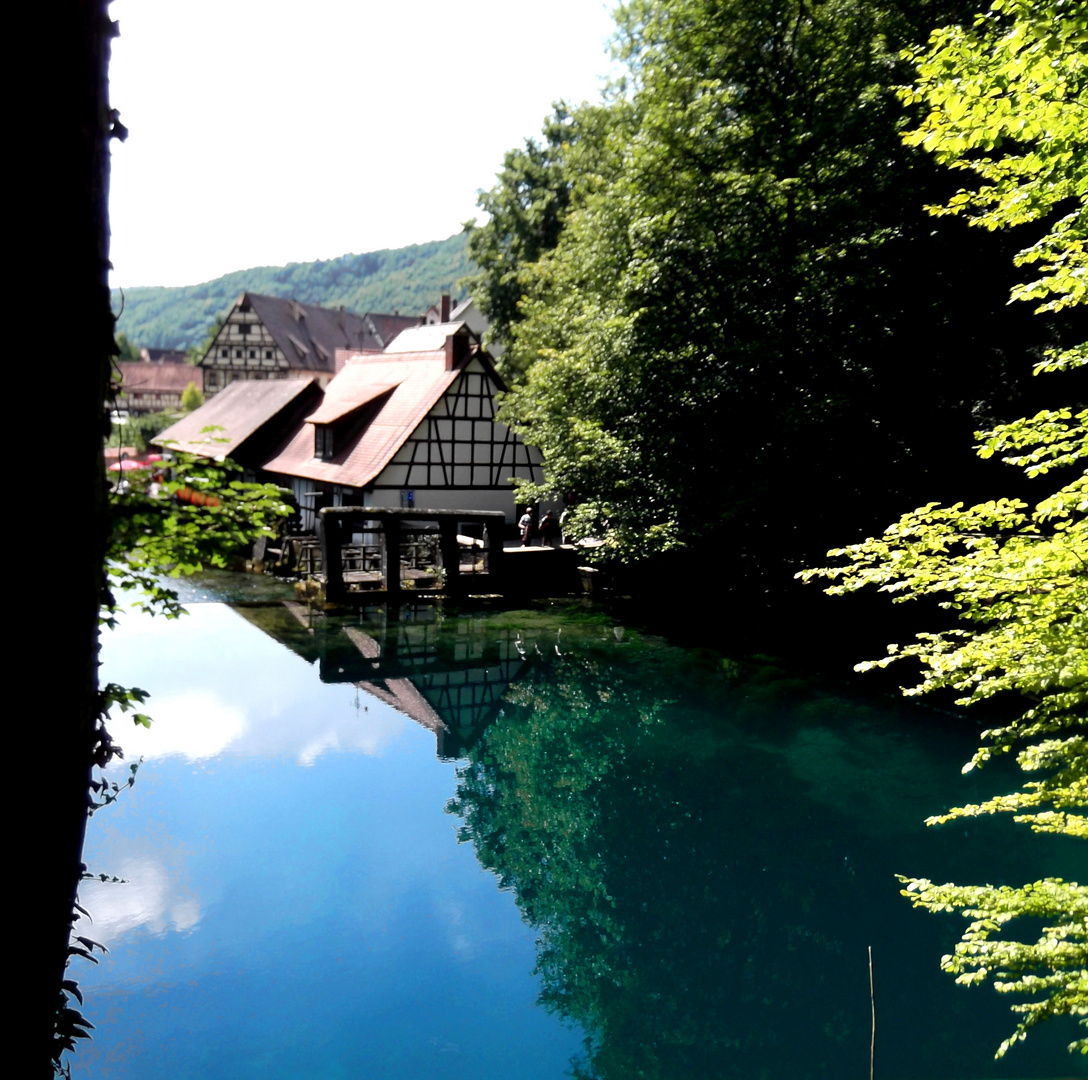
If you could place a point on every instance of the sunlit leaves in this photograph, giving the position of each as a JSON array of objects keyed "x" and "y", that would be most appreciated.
[
  {"x": 1007, "y": 100},
  {"x": 1052, "y": 969},
  {"x": 1017, "y": 577}
]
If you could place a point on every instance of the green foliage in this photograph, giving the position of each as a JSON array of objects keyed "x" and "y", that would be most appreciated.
[
  {"x": 1018, "y": 577},
  {"x": 1006, "y": 100},
  {"x": 1052, "y": 967},
  {"x": 407, "y": 279},
  {"x": 191, "y": 398},
  {"x": 157, "y": 535},
  {"x": 126, "y": 350},
  {"x": 195, "y": 353},
  {"x": 714, "y": 349},
  {"x": 138, "y": 431},
  {"x": 528, "y": 207}
]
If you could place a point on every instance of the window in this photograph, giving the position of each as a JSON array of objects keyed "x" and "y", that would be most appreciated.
[
  {"x": 323, "y": 441},
  {"x": 224, "y": 351}
]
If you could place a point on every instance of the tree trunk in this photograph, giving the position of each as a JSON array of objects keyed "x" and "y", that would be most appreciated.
[{"x": 61, "y": 363}]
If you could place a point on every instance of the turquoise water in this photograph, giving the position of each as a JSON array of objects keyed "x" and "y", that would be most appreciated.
[{"x": 525, "y": 844}]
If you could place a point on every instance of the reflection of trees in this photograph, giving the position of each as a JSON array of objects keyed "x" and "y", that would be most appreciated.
[{"x": 695, "y": 911}]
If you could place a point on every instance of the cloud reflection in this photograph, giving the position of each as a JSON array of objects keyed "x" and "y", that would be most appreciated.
[
  {"x": 196, "y": 726},
  {"x": 202, "y": 705},
  {"x": 150, "y": 895}
]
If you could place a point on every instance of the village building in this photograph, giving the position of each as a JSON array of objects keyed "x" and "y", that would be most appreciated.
[
  {"x": 153, "y": 355},
  {"x": 248, "y": 422},
  {"x": 463, "y": 311},
  {"x": 269, "y": 337},
  {"x": 412, "y": 426},
  {"x": 155, "y": 385}
]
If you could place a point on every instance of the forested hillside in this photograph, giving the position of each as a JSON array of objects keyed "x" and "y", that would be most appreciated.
[{"x": 404, "y": 279}]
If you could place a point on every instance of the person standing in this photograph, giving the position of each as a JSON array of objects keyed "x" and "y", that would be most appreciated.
[
  {"x": 527, "y": 524},
  {"x": 549, "y": 530}
]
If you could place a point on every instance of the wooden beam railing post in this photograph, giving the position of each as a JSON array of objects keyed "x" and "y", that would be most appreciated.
[
  {"x": 391, "y": 553},
  {"x": 495, "y": 529},
  {"x": 451, "y": 555},
  {"x": 330, "y": 534}
]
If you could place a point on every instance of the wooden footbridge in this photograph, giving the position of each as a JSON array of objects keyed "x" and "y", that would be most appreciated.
[{"x": 370, "y": 555}]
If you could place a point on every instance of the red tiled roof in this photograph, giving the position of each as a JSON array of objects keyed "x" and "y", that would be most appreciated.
[
  {"x": 161, "y": 377},
  {"x": 418, "y": 381},
  {"x": 334, "y": 407},
  {"x": 239, "y": 409}
]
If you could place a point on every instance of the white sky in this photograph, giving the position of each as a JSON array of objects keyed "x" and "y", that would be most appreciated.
[{"x": 270, "y": 131}]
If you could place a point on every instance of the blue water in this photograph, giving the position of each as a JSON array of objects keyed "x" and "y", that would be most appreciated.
[
  {"x": 297, "y": 903},
  {"x": 668, "y": 866}
]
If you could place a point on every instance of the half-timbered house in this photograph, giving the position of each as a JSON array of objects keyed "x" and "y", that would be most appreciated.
[
  {"x": 269, "y": 337},
  {"x": 412, "y": 426},
  {"x": 155, "y": 385}
]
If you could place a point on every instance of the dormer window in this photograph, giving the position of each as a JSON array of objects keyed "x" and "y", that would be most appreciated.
[{"x": 323, "y": 442}]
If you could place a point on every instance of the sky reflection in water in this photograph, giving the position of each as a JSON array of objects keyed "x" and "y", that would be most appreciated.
[
  {"x": 297, "y": 903},
  {"x": 705, "y": 856}
]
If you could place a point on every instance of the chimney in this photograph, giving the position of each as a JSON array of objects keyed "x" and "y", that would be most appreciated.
[
  {"x": 444, "y": 308},
  {"x": 456, "y": 349}
]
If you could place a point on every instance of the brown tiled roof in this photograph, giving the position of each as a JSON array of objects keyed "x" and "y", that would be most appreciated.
[
  {"x": 334, "y": 408},
  {"x": 402, "y": 695},
  {"x": 418, "y": 380},
  {"x": 239, "y": 409},
  {"x": 309, "y": 335},
  {"x": 158, "y": 378},
  {"x": 386, "y": 327}
]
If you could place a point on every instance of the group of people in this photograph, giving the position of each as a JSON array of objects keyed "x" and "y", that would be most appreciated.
[{"x": 549, "y": 529}]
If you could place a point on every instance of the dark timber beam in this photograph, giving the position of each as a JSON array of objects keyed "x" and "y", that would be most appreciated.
[{"x": 335, "y": 523}]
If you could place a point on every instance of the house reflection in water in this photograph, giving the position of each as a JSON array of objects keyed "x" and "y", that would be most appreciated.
[{"x": 451, "y": 685}]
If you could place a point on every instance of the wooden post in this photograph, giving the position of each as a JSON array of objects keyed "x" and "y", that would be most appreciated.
[
  {"x": 329, "y": 532},
  {"x": 451, "y": 555},
  {"x": 391, "y": 554},
  {"x": 495, "y": 570}
]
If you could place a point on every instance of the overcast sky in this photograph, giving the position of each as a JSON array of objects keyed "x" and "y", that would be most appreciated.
[{"x": 265, "y": 131}]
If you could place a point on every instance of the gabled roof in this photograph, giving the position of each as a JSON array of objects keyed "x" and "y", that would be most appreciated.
[
  {"x": 158, "y": 377},
  {"x": 423, "y": 338},
  {"x": 412, "y": 383},
  {"x": 309, "y": 335},
  {"x": 239, "y": 409},
  {"x": 386, "y": 327},
  {"x": 460, "y": 309}
]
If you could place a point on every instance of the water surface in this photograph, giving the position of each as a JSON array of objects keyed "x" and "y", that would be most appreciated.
[{"x": 526, "y": 844}]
